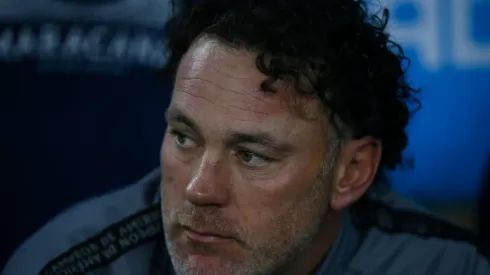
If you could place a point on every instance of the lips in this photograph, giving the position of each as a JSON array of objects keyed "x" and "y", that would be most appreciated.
[{"x": 206, "y": 237}]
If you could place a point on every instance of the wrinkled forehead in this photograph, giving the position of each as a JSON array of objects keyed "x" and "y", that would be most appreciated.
[{"x": 225, "y": 76}]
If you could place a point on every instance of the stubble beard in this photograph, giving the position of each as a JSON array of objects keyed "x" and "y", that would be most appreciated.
[{"x": 295, "y": 233}]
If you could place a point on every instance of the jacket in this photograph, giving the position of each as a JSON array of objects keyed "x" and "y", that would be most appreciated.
[{"x": 120, "y": 233}]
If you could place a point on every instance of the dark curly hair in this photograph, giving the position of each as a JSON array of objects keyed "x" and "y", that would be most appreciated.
[{"x": 331, "y": 49}]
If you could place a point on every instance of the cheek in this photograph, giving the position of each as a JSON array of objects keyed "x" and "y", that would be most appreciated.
[
  {"x": 285, "y": 186},
  {"x": 268, "y": 204},
  {"x": 165, "y": 150},
  {"x": 176, "y": 174},
  {"x": 298, "y": 182}
]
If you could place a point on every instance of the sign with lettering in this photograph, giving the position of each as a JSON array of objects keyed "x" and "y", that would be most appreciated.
[
  {"x": 76, "y": 46},
  {"x": 448, "y": 42}
]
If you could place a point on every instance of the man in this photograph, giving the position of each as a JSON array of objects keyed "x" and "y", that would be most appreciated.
[{"x": 283, "y": 117}]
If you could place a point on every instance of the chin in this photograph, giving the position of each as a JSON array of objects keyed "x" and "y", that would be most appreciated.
[
  {"x": 205, "y": 265},
  {"x": 190, "y": 258}
]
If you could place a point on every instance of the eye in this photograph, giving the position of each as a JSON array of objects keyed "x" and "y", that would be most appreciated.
[
  {"x": 182, "y": 140},
  {"x": 253, "y": 159}
]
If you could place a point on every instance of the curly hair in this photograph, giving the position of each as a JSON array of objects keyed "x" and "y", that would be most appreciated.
[{"x": 330, "y": 49}]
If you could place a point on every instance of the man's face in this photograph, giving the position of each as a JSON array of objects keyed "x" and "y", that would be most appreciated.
[{"x": 243, "y": 189}]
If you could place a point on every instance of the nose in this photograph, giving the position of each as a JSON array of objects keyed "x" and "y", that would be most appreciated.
[{"x": 208, "y": 186}]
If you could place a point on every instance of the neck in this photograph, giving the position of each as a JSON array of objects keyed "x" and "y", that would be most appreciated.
[{"x": 310, "y": 260}]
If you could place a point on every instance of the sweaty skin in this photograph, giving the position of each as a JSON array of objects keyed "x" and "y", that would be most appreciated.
[{"x": 242, "y": 164}]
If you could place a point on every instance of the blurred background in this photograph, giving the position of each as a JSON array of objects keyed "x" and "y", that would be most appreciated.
[
  {"x": 82, "y": 114},
  {"x": 449, "y": 46}
]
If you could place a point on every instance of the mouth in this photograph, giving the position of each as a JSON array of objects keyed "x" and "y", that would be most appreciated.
[{"x": 205, "y": 237}]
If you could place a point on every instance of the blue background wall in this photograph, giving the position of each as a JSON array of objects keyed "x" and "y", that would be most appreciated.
[{"x": 449, "y": 44}]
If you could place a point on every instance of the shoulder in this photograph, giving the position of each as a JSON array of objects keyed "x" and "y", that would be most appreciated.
[
  {"x": 81, "y": 222},
  {"x": 402, "y": 237}
]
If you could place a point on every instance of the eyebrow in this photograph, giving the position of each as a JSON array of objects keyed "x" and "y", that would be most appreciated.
[
  {"x": 177, "y": 116},
  {"x": 257, "y": 137}
]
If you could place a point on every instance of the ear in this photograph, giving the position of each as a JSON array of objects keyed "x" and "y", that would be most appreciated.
[{"x": 357, "y": 165}]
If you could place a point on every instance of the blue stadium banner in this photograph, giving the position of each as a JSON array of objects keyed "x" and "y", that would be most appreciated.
[{"x": 449, "y": 44}]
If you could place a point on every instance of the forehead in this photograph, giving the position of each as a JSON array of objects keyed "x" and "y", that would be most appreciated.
[{"x": 225, "y": 83}]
